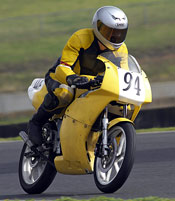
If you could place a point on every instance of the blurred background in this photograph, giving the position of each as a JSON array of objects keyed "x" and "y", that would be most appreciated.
[{"x": 34, "y": 32}]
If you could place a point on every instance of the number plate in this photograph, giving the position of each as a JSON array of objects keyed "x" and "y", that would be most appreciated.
[{"x": 131, "y": 87}]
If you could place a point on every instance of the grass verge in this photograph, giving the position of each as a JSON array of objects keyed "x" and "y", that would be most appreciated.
[
  {"x": 155, "y": 130},
  {"x": 33, "y": 35},
  {"x": 15, "y": 118},
  {"x": 101, "y": 198}
]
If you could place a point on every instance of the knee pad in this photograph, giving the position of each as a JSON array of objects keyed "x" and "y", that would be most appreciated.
[
  {"x": 50, "y": 102},
  {"x": 52, "y": 85},
  {"x": 64, "y": 94}
]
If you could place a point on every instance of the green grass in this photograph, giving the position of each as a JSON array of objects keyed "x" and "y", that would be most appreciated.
[
  {"x": 155, "y": 130},
  {"x": 16, "y": 118},
  {"x": 33, "y": 34},
  {"x": 10, "y": 139},
  {"x": 103, "y": 198}
]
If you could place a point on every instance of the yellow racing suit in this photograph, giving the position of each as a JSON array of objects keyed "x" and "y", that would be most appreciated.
[{"x": 79, "y": 56}]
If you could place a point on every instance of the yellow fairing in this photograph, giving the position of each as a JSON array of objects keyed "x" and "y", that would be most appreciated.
[
  {"x": 39, "y": 97},
  {"x": 148, "y": 96},
  {"x": 77, "y": 140},
  {"x": 77, "y": 124},
  {"x": 64, "y": 94},
  {"x": 74, "y": 133}
]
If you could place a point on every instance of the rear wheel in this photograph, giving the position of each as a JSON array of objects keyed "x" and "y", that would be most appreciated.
[
  {"x": 111, "y": 171},
  {"x": 35, "y": 173}
]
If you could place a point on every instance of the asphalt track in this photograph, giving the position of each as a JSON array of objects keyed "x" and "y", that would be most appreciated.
[{"x": 153, "y": 173}]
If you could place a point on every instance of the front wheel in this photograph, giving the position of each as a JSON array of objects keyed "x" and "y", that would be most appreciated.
[
  {"x": 35, "y": 173},
  {"x": 111, "y": 171}
]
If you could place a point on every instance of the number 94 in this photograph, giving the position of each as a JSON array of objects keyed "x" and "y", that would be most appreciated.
[{"x": 129, "y": 79}]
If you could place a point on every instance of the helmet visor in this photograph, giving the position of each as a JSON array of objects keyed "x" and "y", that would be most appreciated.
[{"x": 111, "y": 34}]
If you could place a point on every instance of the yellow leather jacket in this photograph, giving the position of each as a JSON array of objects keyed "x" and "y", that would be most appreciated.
[{"x": 79, "y": 56}]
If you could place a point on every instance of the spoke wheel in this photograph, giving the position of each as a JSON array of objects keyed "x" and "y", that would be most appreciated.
[
  {"x": 33, "y": 167},
  {"x": 111, "y": 171},
  {"x": 35, "y": 174}
]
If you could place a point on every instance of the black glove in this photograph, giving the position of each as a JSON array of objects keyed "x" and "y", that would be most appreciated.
[{"x": 76, "y": 80}]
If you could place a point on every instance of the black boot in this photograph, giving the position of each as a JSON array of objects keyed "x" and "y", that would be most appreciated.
[{"x": 36, "y": 123}]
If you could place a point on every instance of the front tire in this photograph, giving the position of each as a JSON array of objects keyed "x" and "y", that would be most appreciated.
[
  {"x": 35, "y": 174},
  {"x": 111, "y": 172}
]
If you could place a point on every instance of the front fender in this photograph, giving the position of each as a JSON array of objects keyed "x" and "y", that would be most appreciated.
[{"x": 118, "y": 120}]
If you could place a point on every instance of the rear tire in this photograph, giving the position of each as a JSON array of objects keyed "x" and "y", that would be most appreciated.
[
  {"x": 111, "y": 172},
  {"x": 35, "y": 174}
]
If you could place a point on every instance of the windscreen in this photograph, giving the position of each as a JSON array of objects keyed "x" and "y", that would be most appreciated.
[{"x": 122, "y": 60}]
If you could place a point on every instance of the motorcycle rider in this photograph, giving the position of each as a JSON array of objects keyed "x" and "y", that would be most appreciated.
[{"x": 78, "y": 63}]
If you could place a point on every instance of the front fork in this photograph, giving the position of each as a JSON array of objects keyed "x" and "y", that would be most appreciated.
[
  {"x": 105, "y": 122},
  {"x": 105, "y": 132}
]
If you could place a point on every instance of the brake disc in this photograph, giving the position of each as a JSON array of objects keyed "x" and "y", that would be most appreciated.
[{"x": 106, "y": 162}]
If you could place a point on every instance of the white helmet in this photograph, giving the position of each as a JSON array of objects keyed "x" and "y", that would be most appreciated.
[{"x": 110, "y": 26}]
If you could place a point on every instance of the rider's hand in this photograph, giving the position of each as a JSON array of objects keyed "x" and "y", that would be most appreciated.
[{"x": 76, "y": 80}]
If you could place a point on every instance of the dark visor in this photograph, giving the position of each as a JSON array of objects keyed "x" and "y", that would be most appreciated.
[{"x": 111, "y": 34}]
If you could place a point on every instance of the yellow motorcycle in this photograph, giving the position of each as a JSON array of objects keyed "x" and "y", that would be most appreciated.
[{"x": 95, "y": 134}]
